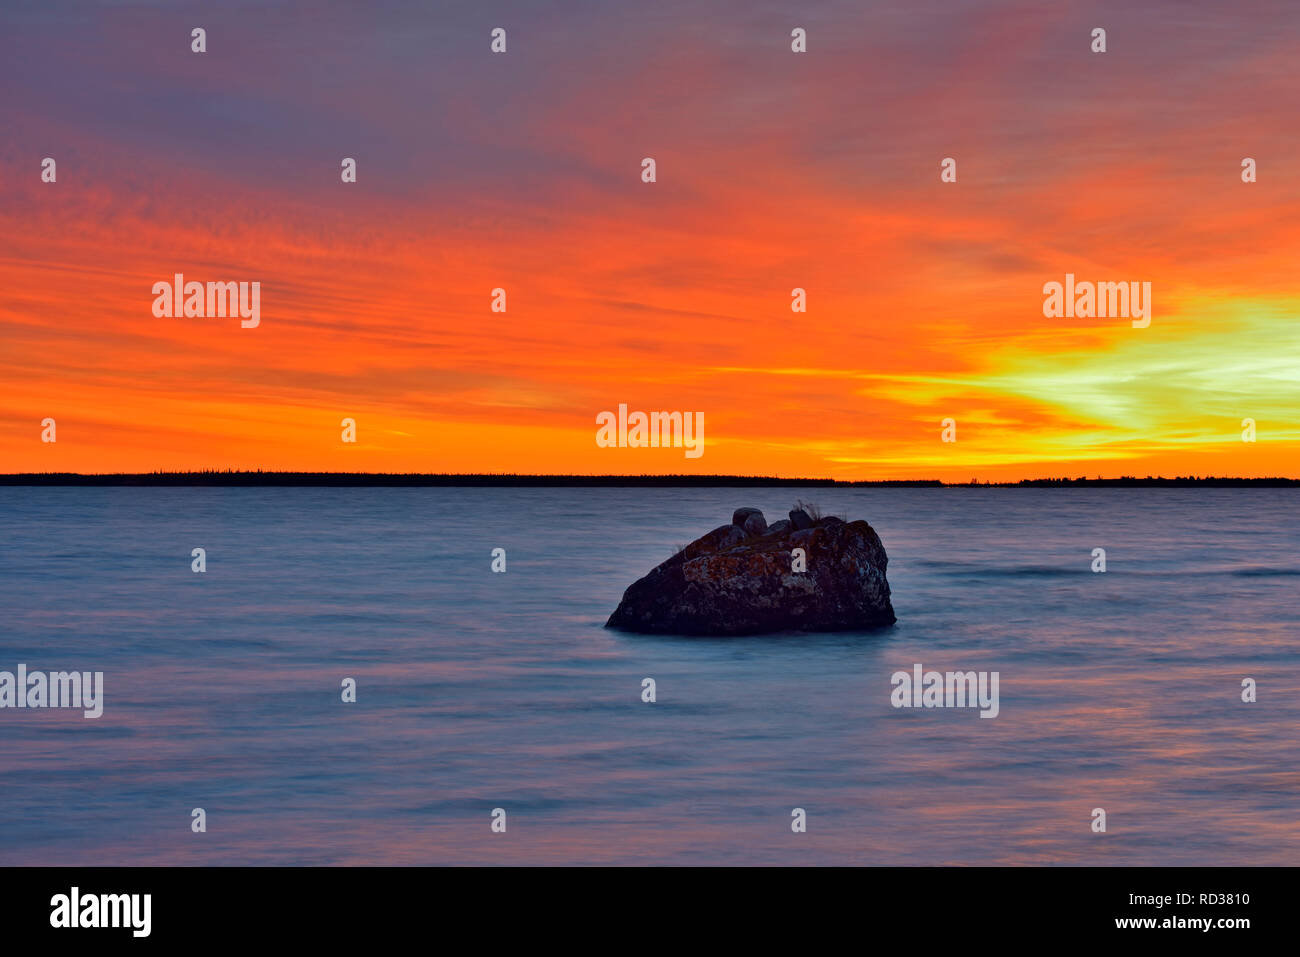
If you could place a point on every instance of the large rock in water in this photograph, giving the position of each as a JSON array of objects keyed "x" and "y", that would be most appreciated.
[{"x": 738, "y": 580}]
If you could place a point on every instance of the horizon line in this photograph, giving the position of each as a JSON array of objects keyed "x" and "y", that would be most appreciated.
[{"x": 259, "y": 477}]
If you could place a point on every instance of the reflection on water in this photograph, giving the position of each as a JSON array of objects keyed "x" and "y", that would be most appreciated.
[{"x": 478, "y": 690}]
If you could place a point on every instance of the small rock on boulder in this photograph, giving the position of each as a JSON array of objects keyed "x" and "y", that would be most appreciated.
[{"x": 800, "y": 519}]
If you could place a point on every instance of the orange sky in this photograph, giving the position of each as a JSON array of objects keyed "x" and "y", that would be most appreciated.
[{"x": 775, "y": 170}]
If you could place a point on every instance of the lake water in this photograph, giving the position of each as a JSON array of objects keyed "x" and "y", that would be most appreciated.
[{"x": 479, "y": 690}]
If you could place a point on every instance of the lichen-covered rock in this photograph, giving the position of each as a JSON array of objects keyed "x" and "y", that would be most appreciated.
[{"x": 730, "y": 582}]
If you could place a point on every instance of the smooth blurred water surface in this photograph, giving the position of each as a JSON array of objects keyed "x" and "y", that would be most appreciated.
[{"x": 479, "y": 690}]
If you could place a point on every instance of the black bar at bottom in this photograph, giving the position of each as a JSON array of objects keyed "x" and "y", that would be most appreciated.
[{"x": 653, "y": 907}]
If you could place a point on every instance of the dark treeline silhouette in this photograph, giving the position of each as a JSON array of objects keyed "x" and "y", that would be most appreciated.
[
  {"x": 1188, "y": 481},
  {"x": 414, "y": 479},
  {"x": 420, "y": 479}
]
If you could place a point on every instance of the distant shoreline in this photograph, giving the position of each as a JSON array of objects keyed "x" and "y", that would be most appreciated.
[{"x": 432, "y": 480}]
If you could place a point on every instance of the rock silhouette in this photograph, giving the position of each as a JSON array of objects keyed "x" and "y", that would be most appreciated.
[{"x": 740, "y": 579}]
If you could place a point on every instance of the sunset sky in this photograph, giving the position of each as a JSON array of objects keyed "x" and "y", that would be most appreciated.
[{"x": 775, "y": 170}]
